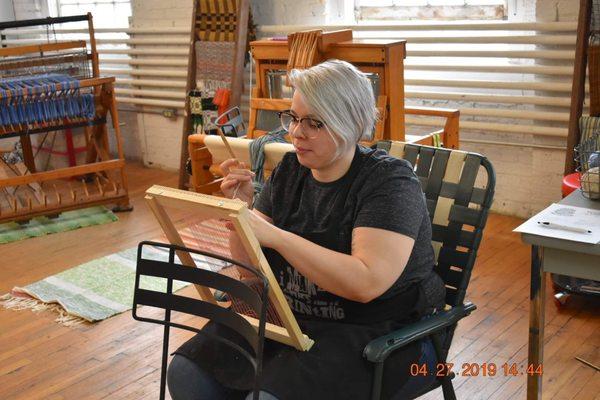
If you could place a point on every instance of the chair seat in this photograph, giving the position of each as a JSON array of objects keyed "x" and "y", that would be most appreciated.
[{"x": 570, "y": 183}]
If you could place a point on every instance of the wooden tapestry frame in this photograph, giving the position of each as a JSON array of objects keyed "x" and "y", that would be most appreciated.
[{"x": 213, "y": 207}]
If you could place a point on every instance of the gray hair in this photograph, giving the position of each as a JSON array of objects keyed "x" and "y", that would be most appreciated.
[{"x": 342, "y": 97}]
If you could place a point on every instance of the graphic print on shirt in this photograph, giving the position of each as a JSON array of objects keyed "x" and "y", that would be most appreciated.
[{"x": 304, "y": 297}]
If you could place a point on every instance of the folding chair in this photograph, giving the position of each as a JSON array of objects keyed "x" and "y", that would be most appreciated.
[
  {"x": 171, "y": 270},
  {"x": 458, "y": 203}
]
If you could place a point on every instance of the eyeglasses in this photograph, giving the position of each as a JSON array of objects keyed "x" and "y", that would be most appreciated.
[{"x": 310, "y": 127}]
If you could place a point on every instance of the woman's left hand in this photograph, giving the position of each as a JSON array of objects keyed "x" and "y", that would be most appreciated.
[{"x": 268, "y": 235}]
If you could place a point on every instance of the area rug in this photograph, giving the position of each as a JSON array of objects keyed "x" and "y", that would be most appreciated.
[
  {"x": 103, "y": 287},
  {"x": 66, "y": 221}
]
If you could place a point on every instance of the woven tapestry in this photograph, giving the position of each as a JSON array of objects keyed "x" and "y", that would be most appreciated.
[
  {"x": 214, "y": 64},
  {"x": 216, "y": 20}
]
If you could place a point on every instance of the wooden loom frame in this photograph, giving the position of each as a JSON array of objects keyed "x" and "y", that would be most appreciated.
[
  {"x": 213, "y": 207},
  {"x": 578, "y": 86},
  {"x": 96, "y": 132},
  {"x": 383, "y": 57},
  {"x": 241, "y": 31},
  {"x": 380, "y": 56}
]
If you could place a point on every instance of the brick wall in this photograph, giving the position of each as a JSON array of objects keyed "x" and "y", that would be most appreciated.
[
  {"x": 289, "y": 12},
  {"x": 557, "y": 10},
  {"x": 160, "y": 137}
]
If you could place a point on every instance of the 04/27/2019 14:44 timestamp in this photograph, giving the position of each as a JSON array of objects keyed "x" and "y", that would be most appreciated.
[{"x": 477, "y": 369}]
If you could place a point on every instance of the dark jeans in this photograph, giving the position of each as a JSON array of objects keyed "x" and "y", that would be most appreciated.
[
  {"x": 187, "y": 381},
  {"x": 416, "y": 383}
]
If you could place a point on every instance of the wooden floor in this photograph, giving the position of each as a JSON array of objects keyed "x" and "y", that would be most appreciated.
[{"x": 119, "y": 358}]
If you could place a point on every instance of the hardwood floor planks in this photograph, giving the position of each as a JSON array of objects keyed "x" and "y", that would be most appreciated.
[{"x": 120, "y": 358}]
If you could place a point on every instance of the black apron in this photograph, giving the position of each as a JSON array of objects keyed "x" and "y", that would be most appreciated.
[{"x": 334, "y": 367}]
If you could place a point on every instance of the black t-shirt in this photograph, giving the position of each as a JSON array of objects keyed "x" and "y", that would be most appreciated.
[
  {"x": 385, "y": 194},
  {"x": 378, "y": 191}
]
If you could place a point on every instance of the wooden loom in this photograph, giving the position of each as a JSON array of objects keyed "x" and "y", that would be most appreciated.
[
  {"x": 81, "y": 98},
  {"x": 588, "y": 28},
  {"x": 208, "y": 151},
  {"x": 382, "y": 59},
  {"x": 215, "y": 210},
  {"x": 214, "y": 21}
]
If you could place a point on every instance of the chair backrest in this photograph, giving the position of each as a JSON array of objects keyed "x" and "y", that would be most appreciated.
[
  {"x": 588, "y": 126},
  {"x": 170, "y": 269},
  {"x": 459, "y": 188}
]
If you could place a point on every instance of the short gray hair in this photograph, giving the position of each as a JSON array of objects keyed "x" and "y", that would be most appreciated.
[{"x": 342, "y": 97}]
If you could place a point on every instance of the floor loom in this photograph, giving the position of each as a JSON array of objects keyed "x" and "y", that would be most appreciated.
[
  {"x": 218, "y": 41},
  {"x": 381, "y": 60},
  {"x": 52, "y": 87},
  {"x": 206, "y": 228}
]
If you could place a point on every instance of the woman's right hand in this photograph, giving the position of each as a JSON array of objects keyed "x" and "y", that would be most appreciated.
[{"x": 235, "y": 173}]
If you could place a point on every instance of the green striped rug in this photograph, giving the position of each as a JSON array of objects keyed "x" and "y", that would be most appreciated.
[
  {"x": 92, "y": 291},
  {"x": 66, "y": 221}
]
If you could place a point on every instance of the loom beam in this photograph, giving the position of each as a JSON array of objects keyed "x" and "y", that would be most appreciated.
[{"x": 34, "y": 101}]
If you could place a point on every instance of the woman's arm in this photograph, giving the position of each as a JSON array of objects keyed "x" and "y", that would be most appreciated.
[
  {"x": 237, "y": 183},
  {"x": 238, "y": 253},
  {"x": 378, "y": 258}
]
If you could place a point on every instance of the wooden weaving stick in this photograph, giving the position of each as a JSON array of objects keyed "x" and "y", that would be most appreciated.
[
  {"x": 589, "y": 364},
  {"x": 232, "y": 154},
  {"x": 226, "y": 143}
]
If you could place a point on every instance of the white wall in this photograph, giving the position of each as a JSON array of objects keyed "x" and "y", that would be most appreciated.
[
  {"x": 557, "y": 10},
  {"x": 528, "y": 179},
  {"x": 289, "y": 12},
  {"x": 7, "y": 12},
  {"x": 30, "y": 9},
  {"x": 160, "y": 137}
]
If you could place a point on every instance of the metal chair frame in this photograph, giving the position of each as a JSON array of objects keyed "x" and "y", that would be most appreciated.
[
  {"x": 171, "y": 270},
  {"x": 448, "y": 178}
]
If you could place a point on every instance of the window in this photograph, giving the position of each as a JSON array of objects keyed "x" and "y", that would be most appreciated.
[
  {"x": 110, "y": 17},
  {"x": 106, "y": 13},
  {"x": 431, "y": 9}
]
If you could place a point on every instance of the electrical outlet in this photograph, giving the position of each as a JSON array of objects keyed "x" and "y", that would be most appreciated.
[{"x": 169, "y": 113}]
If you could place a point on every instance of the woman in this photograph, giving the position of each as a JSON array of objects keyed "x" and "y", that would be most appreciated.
[{"x": 346, "y": 231}]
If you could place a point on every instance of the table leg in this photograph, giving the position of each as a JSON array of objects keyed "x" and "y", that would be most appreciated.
[{"x": 536, "y": 322}]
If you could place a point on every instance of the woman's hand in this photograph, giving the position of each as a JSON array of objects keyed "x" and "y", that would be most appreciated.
[
  {"x": 264, "y": 230},
  {"x": 237, "y": 181},
  {"x": 238, "y": 253},
  {"x": 268, "y": 235}
]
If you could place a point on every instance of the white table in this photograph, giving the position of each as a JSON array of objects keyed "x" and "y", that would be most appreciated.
[{"x": 557, "y": 256}]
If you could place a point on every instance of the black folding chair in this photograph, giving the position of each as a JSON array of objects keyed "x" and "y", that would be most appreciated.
[
  {"x": 458, "y": 202},
  {"x": 167, "y": 300}
]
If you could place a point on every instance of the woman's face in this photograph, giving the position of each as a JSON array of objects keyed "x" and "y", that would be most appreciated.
[{"x": 315, "y": 149}]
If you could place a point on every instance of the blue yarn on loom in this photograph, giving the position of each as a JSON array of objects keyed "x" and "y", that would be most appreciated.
[{"x": 38, "y": 99}]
